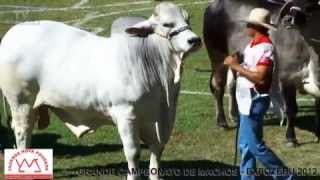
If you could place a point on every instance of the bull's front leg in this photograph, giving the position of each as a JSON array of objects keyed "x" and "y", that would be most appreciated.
[
  {"x": 317, "y": 130},
  {"x": 129, "y": 134},
  {"x": 291, "y": 107},
  {"x": 217, "y": 85},
  {"x": 22, "y": 120},
  {"x": 233, "y": 107},
  {"x": 155, "y": 157}
]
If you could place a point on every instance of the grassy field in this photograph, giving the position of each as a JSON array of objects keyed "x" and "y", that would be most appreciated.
[{"x": 195, "y": 143}]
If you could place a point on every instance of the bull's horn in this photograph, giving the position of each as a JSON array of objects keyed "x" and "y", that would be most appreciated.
[{"x": 281, "y": 13}]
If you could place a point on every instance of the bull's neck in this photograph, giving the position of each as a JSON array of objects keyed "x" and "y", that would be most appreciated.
[{"x": 154, "y": 63}]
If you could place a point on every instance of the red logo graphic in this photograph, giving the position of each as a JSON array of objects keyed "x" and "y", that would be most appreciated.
[
  {"x": 28, "y": 164},
  {"x": 24, "y": 161}
]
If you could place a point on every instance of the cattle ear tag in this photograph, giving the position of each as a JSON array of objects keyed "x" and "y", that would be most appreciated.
[{"x": 141, "y": 29}]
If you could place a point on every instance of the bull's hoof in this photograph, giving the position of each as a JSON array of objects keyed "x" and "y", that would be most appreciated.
[
  {"x": 223, "y": 126},
  {"x": 292, "y": 143},
  {"x": 234, "y": 118}
]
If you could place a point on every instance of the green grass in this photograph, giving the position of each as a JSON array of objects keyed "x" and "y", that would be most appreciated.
[{"x": 195, "y": 142}]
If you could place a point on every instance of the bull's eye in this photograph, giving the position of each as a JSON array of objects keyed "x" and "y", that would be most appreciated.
[{"x": 168, "y": 25}]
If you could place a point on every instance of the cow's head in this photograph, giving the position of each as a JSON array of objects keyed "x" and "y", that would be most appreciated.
[
  {"x": 170, "y": 22},
  {"x": 296, "y": 12}
]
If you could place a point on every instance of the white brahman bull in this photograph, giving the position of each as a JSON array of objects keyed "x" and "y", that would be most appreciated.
[{"x": 88, "y": 81}]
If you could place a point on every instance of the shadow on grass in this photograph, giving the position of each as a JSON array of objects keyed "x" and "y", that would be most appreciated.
[
  {"x": 6, "y": 138},
  {"x": 307, "y": 123},
  {"x": 307, "y": 108},
  {"x": 306, "y": 119},
  {"x": 203, "y": 70},
  {"x": 48, "y": 140}
]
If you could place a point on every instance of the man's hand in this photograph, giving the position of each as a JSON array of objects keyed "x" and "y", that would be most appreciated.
[
  {"x": 261, "y": 75},
  {"x": 231, "y": 60}
]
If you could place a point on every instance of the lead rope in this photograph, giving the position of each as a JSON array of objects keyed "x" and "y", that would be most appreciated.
[{"x": 236, "y": 143}]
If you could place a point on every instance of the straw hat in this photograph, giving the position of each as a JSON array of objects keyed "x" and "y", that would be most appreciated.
[{"x": 260, "y": 16}]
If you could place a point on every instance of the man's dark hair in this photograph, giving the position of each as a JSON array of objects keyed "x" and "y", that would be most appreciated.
[{"x": 261, "y": 29}]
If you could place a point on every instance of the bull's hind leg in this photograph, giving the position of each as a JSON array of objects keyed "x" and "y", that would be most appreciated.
[
  {"x": 217, "y": 85},
  {"x": 233, "y": 107},
  {"x": 43, "y": 117},
  {"x": 289, "y": 93},
  {"x": 22, "y": 120}
]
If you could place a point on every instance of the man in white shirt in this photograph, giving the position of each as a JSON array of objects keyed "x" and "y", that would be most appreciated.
[{"x": 252, "y": 93}]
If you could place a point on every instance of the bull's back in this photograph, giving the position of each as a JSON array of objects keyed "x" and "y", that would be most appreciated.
[
  {"x": 46, "y": 54},
  {"x": 31, "y": 42},
  {"x": 71, "y": 67},
  {"x": 28, "y": 48},
  {"x": 38, "y": 38}
]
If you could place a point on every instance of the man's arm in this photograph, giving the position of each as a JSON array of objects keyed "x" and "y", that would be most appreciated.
[{"x": 260, "y": 76}]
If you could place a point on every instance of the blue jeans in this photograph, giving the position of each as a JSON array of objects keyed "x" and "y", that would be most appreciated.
[{"x": 251, "y": 144}]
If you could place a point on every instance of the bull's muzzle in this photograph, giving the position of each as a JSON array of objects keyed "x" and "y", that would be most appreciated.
[{"x": 195, "y": 42}]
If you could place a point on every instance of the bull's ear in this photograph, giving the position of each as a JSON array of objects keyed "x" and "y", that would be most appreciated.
[
  {"x": 141, "y": 29},
  {"x": 185, "y": 15}
]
